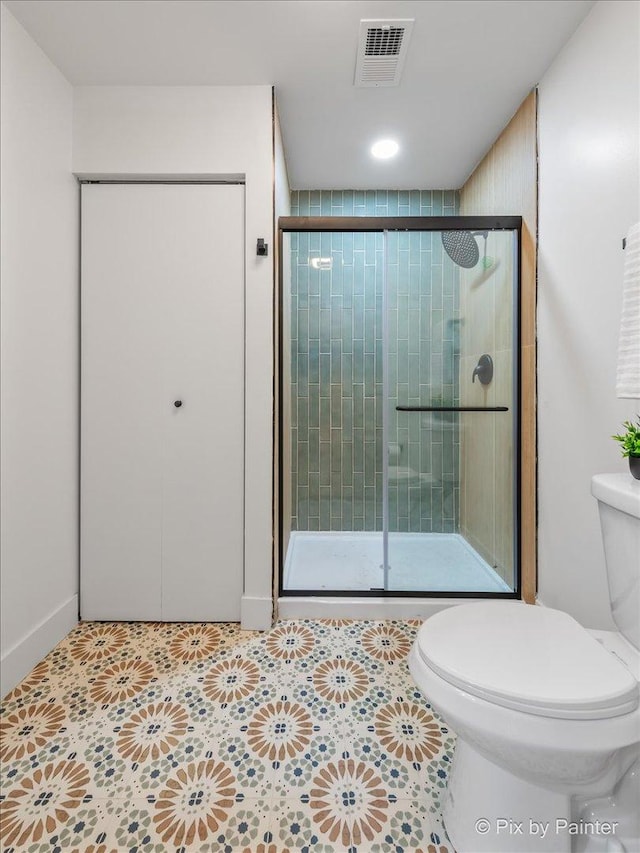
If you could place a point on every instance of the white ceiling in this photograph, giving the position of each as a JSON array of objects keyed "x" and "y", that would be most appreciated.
[{"x": 470, "y": 64}]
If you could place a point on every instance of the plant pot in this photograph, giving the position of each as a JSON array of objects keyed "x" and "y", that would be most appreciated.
[{"x": 634, "y": 466}]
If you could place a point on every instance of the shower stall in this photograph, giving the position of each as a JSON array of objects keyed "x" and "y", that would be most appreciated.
[{"x": 399, "y": 406}]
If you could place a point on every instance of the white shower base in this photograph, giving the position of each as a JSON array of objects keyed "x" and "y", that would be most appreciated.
[{"x": 419, "y": 562}]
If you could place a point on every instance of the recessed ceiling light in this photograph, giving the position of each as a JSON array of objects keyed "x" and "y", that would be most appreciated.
[{"x": 385, "y": 148}]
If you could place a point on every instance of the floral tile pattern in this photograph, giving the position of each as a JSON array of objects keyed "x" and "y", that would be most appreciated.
[{"x": 168, "y": 738}]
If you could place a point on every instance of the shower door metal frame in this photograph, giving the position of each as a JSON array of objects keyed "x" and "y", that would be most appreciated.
[{"x": 382, "y": 224}]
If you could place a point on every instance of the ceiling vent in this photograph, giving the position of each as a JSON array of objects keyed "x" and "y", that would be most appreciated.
[{"x": 382, "y": 50}]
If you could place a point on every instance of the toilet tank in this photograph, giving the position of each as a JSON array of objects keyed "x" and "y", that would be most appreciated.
[{"x": 618, "y": 497}]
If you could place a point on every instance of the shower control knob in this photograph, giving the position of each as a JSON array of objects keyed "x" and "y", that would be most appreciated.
[
  {"x": 483, "y": 370},
  {"x": 177, "y": 404}
]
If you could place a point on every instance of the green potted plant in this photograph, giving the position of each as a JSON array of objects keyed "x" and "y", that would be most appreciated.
[{"x": 630, "y": 442}]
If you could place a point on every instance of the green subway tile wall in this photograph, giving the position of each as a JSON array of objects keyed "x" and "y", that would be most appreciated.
[{"x": 336, "y": 367}]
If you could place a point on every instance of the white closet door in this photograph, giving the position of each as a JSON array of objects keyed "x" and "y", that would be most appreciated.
[
  {"x": 202, "y": 532},
  {"x": 162, "y": 321}
]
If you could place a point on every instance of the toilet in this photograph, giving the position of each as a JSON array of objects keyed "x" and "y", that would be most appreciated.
[{"x": 546, "y": 712}]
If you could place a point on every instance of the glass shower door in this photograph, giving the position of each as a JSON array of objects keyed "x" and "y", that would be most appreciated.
[
  {"x": 332, "y": 495},
  {"x": 399, "y": 412},
  {"x": 450, "y": 417}
]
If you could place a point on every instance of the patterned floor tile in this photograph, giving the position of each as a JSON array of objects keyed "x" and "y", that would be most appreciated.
[
  {"x": 153, "y": 737},
  {"x": 294, "y": 776},
  {"x": 50, "y": 812},
  {"x": 197, "y": 813},
  {"x": 294, "y": 827},
  {"x": 408, "y": 829}
]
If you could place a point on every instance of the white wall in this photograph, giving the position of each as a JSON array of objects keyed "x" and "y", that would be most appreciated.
[
  {"x": 282, "y": 207},
  {"x": 193, "y": 132},
  {"x": 589, "y": 196},
  {"x": 282, "y": 190},
  {"x": 39, "y": 382}
]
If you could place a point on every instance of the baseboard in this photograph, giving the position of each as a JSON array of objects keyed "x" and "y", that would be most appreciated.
[
  {"x": 256, "y": 614},
  {"x": 20, "y": 660}
]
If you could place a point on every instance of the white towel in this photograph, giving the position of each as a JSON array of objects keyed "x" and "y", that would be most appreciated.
[{"x": 628, "y": 380}]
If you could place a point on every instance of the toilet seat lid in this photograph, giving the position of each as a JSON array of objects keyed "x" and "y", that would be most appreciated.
[{"x": 533, "y": 659}]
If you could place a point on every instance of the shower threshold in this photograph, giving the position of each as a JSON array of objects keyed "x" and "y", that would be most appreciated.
[{"x": 419, "y": 562}]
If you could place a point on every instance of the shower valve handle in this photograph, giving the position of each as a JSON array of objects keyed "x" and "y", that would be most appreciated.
[{"x": 483, "y": 370}]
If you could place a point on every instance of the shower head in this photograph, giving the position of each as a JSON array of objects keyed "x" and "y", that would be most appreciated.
[{"x": 462, "y": 248}]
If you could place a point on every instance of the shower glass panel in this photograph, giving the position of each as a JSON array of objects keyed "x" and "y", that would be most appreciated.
[
  {"x": 451, "y": 424},
  {"x": 398, "y": 427},
  {"x": 333, "y": 405}
]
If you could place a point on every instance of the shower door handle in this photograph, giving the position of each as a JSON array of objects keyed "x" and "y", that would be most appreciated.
[{"x": 452, "y": 408}]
